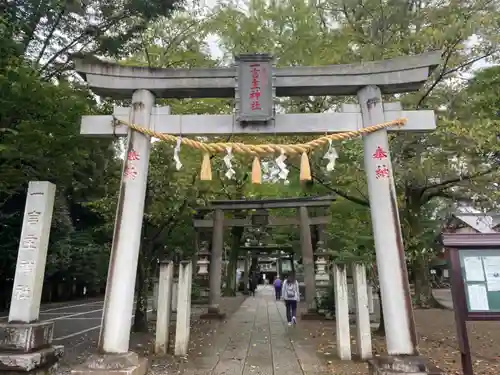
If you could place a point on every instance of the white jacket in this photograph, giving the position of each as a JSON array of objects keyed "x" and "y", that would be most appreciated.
[{"x": 295, "y": 286}]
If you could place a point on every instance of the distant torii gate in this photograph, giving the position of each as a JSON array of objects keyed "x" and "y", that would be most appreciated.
[
  {"x": 255, "y": 114},
  {"x": 303, "y": 221}
]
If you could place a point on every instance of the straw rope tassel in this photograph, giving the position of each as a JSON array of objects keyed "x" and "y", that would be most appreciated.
[
  {"x": 256, "y": 171},
  {"x": 305, "y": 168},
  {"x": 206, "y": 169},
  {"x": 261, "y": 149}
]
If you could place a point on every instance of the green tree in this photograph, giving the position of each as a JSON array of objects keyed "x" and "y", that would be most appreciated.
[
  {"x": 42, "y": 142},
  {"x": 46, "y": 32},
  {"x": 171, "y": 195},
  {"x": 332, "y": 32}
]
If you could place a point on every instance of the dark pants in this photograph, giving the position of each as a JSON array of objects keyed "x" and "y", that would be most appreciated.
[
  {"x": 291, "y": 309},
  {"x": 251, "y": 288},
  {"x": 277, "y": 290}
]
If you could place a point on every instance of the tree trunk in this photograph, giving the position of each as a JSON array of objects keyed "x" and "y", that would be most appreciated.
[
  {"x": 381, "y": 328},
  {"x": 413, "y": 223},
  {"x": 423, "y": 289},
  {"x": 230, "y": 290},
  {"x": 141, "y": 306},
  {"x": 236, "y": 233}
]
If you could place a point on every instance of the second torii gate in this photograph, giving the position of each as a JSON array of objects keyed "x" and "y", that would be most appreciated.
[
  {"x": 304, "y": 221},
  {"x": 254, "y": 83}
]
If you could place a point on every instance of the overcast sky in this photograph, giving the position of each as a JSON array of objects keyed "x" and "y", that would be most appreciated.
[{"x": 216, "y": 52}]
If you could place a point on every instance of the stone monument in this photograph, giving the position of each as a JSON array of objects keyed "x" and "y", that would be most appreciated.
[{"x": 25, "y": 342}]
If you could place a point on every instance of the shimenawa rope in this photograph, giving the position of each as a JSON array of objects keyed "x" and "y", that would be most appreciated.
[{"x": 261, "y": 149}]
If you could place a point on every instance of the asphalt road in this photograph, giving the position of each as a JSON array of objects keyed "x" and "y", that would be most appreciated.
[{"x": 74, "y": 322}]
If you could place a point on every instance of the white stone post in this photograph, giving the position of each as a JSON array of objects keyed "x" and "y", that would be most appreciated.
[
  {"x": 119, "y": 301},
  {"x": 183, "y": 323},
  {"x": 175, "y": 289},
  {"x": 164, "y": 307},
  {"x": 156, "y": 286},
  {"x": 363, "y": 328},
  {"x": 396, "y": 302},
  {"x": 32, "y": 255},
  {"x": 370, "y": 299},
  {"x": 342, "y": 312}
]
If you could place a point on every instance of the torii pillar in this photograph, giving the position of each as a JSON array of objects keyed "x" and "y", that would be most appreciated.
[
  {"x": 215, "y": 271},
  {"x": 120, "y": 287}
]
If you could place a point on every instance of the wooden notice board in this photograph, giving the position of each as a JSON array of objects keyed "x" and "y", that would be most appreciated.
[
  {"x": 480, "y": 271},
  {"x": 474, "y": 260}
]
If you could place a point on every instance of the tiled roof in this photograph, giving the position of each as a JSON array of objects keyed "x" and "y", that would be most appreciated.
[{"x": 477, "y": 220}]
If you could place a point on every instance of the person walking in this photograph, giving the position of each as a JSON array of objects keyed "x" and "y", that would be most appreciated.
[
  {"x": 277, "y": 288},
  {"x": 253, "y": 282},
  {"x": 251, "y": 286},
  {"x": 291, "y": 295}
]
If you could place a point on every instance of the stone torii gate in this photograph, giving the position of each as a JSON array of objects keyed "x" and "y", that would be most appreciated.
[
  {"x": 304, "y": 221},
  {"x": 254, "y": 82}
]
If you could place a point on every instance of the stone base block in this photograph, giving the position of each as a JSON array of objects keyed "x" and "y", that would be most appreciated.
[
  {"x": 200, "y": 301},
  {"x": 43, "y": 361},
  {"x": 312, "y": 315},
  {"x": 116, "y": 364},
  {"x": 213, "y": 313},
  {"x": 25, "y": 337},
  {"x": 202, "y": 282},
  {"x": 397, "y": 365}
]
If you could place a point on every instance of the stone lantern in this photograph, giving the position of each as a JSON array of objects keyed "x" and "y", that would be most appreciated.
[
  {"x": 203, "y": 261},
  {"x": 260, "y": 218},
  {"x": 321, "y": 264}
]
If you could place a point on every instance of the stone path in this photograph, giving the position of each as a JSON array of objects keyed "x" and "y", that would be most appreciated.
[{"x": 257, "y": 341}]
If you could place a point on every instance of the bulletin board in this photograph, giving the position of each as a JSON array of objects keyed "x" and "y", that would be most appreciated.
[
  {"x": 480, "y": 270},
  {"x": 474, "y": 262}
]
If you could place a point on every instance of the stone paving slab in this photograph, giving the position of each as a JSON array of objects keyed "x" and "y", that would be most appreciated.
[{"x": 257, "y": 341}]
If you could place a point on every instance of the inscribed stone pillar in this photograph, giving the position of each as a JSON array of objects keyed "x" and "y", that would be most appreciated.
[
  {"x": 307, "y": 258},
  {"x": 182, "y": 328},
  {"x": 164, "y": 307},
  {"x": 32, "y": 254},
  {"x": 216, "y": 267},
  {"x": 25, "y": 343},
  {"x": 396, "y": 302}
]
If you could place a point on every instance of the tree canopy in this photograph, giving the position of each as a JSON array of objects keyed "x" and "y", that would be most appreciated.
[{"x": 41, "y": 104}]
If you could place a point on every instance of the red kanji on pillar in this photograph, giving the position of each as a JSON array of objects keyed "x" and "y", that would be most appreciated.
[
  {"x": 381, "y": 172},
  {"x": 133, "y": 155},
  {"x": 380, "y": 153},
  {"x": 130, "y": 172}
]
